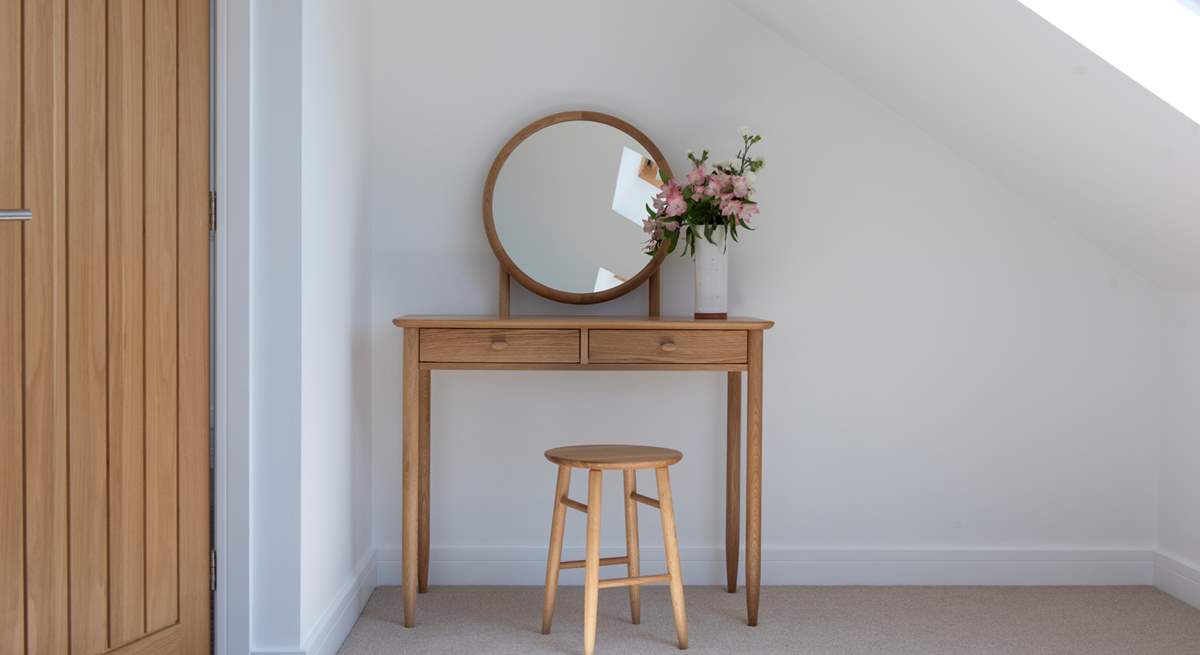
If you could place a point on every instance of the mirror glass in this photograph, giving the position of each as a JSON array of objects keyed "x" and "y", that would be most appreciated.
[{"x": 569, "y": 202}]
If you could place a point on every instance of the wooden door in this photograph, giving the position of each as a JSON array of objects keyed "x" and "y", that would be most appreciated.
[{"x": 104, "y": 340}]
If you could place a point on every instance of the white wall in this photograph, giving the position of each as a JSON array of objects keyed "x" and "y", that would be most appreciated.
[
  {"x": 233, "y": 328},
  {"x": 335, "y": 313},
  {"x": 309, "y": 519},
  {"x": 1179, "y": 515},
  {"x": 950, "y": 369},
  {"x": 275, "y": 302},
  {"x": 1029, "y": 104}
]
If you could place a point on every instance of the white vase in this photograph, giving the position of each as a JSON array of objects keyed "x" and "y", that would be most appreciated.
[{"x": 712, "y": 277}]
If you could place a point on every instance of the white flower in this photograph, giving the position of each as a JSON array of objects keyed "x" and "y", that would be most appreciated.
[
  {"x": 744, "y": 131},
  {"x": 751, "y": 178}
]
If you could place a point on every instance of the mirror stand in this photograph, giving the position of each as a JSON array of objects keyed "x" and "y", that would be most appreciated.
[
  {"x": 654, "y": 284},
  {"x": 505, "y": 285}
]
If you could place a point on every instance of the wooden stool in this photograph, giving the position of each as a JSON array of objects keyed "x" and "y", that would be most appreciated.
[{"x": 628, "y": 459}]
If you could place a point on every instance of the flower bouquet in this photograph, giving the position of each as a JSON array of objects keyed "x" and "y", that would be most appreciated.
[{"x": 705, "y": 210}]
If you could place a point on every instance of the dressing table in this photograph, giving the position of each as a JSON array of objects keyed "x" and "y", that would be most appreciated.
[{"x": 579, "y": 343}]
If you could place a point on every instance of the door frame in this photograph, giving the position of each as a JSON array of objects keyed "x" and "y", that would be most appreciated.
[{"x": 231, "y": 326}]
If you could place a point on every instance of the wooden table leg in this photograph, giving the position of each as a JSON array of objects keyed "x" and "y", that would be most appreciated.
[
  {"x": 423, "y": 489},
  {"x": 412, "y": 428},
  {"x": 733, "y": 479},
  {"x": 754, "y": 392}
]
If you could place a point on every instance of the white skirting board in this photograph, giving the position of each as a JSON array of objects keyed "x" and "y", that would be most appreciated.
[
  {"x": 521, "y": 565},
  {"x": 1177, "y": 577},
  {"x": 328, "y": 633}
]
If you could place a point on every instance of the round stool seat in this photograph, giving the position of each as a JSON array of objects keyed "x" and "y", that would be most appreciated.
[{"x": 613, "y": 456}]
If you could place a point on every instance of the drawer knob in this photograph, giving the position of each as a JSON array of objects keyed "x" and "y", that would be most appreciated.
[
  {"x": 669, "y": 346},
  {"x": 499, "y": 344}
]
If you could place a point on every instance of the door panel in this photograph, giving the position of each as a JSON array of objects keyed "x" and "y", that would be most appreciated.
[
  {"x": 87, "y": 324},
  {"x": 12, "y": 418},
  {"x": 12, "y": 507},
  {"x": 126, "y": 343},
  {"x": 45, "y": 327},
  {"x": 193, "y": 323},
  {"x": 194, "y": 596},
  {"x": 104, "y": 342},
  {"x": 162, "y": 342}
]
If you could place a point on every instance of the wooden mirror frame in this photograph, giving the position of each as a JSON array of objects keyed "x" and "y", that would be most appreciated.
[{"x": 509, "y": 268}]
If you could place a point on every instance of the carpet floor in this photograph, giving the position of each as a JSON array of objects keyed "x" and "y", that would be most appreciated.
[{"x": 817, "y": 620}]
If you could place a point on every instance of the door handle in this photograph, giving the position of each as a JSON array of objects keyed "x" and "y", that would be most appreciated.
[{"x": 15, "y": 214}]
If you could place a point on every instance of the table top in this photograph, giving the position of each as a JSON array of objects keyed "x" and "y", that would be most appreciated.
[{"x": 588, "y": 322}]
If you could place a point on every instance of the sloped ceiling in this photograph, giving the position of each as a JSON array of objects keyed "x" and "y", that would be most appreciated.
[{"x": 1016, "y": 96}]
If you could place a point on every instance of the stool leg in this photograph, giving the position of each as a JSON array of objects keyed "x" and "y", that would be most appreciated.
[
  {"x": 591, "y": 583},
  {"x": 671, "y": 545},
  {"x": 631, "y": 545},
  {"x": 556, "y": 540}
]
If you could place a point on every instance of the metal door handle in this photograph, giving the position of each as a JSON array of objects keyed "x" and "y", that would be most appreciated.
[{"x": 15, "y": 214}]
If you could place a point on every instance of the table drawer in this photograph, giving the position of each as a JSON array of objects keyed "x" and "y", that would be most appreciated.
[
  {"x": 667, "y": 346},
  {"x": 498, "y": 345}
]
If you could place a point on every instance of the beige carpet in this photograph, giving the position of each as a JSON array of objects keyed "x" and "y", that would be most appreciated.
[{"x": 842, "y": 620}]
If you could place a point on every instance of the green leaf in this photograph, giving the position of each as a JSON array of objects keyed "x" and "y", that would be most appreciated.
[{"x": 662, "y": 175}]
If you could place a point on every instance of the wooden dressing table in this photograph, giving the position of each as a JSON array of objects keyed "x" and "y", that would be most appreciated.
[
  {"x": 554, "y": 343},
  {"x": 565, "y": 225}
]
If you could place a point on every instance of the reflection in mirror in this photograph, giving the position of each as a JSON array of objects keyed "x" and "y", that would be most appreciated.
[{"x": 569, "y": 202}]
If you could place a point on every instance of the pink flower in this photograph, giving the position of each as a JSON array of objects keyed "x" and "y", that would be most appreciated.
[
  {"x": 664, "y": 196},
  {"x": 741, "y": 187},
  {"x": 731, "y": 208},
  {"x": 715, "y": 185},
  {"x": 695, "y": 178},
  {"x": 676, "y": 205},
  {"x": 654, "y": 228},
  {"x": 712, "y": 188},
  {"x": 748, "y": 209}
]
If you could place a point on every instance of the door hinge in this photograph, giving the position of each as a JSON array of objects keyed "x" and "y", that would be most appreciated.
[
  {"x": 212, "y": 211},
  {"x": 212, "y": 570}
]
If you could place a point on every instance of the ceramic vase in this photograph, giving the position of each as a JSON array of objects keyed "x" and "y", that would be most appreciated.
[{"x": 712, "y": 277}]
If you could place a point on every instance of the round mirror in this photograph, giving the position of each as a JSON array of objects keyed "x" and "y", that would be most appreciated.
[{"x": 564, "y": 203}]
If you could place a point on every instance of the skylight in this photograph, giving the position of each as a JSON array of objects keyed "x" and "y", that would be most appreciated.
[
  {"x": 632, "y": 193},
  {"x": 1155, "y": 42}
]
